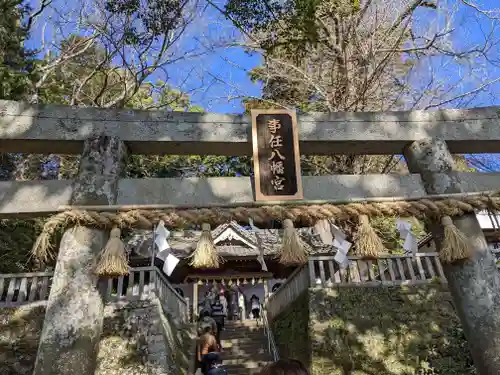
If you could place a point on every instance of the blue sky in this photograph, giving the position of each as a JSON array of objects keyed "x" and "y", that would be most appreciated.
[
  {"x": 217, "y": 80},
  {"x": 224, "y": 72}
]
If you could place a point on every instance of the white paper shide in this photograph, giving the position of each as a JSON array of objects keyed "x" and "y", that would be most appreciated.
[
  {"x": 333, "y": 235},
  {"x": 410, "y": 244},
  {"x": 170, "y": 261}
]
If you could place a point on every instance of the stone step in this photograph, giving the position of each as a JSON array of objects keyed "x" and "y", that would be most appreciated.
[
  {"x": 233, "y": 336},
  {"x": 246, "y": 323},
  {"x": 247, "y": 365},
  {"x": 245, "y": 371},
  {"x": 244, "y": 326},
  {"x": 243, "y": 333},
  {"x": 243, "y": 329},
  {"x": 243, "y": 343},
  {"x": 244, "y": 339},
  {"x": 244, "y": 361},
  {"x": 230, "y": 348},
  {"x": 244, "y": 352}
]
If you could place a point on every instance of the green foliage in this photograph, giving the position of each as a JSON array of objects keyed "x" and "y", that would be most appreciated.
[
  {"x": 291, "y": 331},
  {"x": 15, "y": 60},
  {"x": 291, "y": 25},
  {"x": 387, "y": 331},
  {"x": 374, "y": 331},
  {"x": 20, "y": 330},
  {"x": 102, "y": 83},
  {"x": 155, "y": 17},
  {"x": 7, "y": 166},
  {"x": 386, "y": 228},
  {"x": 140, "y": 166},
  {"x": 16, "y": 240},
  {"x": 160, "y": 95}
]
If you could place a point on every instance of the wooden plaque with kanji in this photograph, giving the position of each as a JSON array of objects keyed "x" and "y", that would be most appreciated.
[{"x": 276, "y": 156}]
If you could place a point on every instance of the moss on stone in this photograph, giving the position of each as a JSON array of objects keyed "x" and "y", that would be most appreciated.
[
  {"x": 20, "y": 330},
  {"x": 123, "y": 347},
  {"x": 386, "y": 331},
  {"x": 178, "y": 340},
  {"x": 139, "y": 339},
  {"x": 291, "y": 331}
]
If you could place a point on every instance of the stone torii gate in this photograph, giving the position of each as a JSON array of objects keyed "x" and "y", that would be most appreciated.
[{"x": 103, "y": 137}]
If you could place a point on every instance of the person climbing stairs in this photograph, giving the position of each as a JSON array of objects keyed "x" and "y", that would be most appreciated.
[{"x": 245, "y": 348}]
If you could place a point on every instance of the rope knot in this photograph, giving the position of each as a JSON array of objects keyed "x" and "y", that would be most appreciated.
[
  {"x": 115, "y": 232},
  {"x": 446, "y": 221}
]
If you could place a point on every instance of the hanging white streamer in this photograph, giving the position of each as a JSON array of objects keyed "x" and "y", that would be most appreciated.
[
  {"x": 342, "y": 245},
  {"x": 170, "y": 261},
  {"x": 260, "y": 257},
  {"x": 404, "y": 228},
  {"x": 160, "y": 237},
  {"x": 324, "y": 230},
  {"x": 337, "y": 232},
  {"x": 170, "y": 264},
  {"x": 331, "y": 234}
]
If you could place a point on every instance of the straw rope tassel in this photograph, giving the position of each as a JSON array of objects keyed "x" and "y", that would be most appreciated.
[
  {"x": 455, "y": 245},
  {"x": 113, "y": 260},
  {"x": 145, "y": 218},
  {"x": 367, "y": 242},
  {"x": 43, "y": 248},
  {"x": 205, "y": 255},
  {"x": 293, "y": 251}
]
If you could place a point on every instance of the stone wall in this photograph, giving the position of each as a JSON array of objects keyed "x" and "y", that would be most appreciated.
[
  {"x": 386, "y": 331},
  {"x": 291, "y": 331},
  {"x": 137, "y": 339}
]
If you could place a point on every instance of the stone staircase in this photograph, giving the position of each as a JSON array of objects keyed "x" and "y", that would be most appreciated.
[{"x": 245, "y": 347}]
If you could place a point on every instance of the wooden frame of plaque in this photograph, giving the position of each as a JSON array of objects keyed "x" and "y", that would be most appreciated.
[{"x": 276, "y": 155}]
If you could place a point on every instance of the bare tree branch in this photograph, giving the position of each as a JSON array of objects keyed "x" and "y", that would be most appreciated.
[{"x": 492, "y": 14}]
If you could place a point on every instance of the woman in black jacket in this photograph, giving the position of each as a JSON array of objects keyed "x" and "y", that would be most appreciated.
[{"x": 218, "y": 316}]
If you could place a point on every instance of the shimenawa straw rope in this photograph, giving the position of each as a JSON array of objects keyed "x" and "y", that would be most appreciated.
[{"x": 435, "y": 208}]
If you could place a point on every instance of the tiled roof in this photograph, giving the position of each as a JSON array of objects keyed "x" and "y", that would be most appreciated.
[{"x": 184, "y": 242}]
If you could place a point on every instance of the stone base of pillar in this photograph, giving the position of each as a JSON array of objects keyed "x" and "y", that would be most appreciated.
[{"x": 73, "y": 321}]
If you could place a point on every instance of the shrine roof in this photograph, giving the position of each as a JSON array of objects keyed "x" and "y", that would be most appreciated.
[{"x": 231, "y": 240}]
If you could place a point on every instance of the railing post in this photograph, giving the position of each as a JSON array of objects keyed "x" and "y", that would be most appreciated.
[
  {"x": 73, "y": 322},
  {"x": 266, "y": 291},
  {"x": 474, "y": 284},
  {"x": 188, "y": 315},
  {"x": 195, "y": 300},
  {"x": 312, "y": 276}
]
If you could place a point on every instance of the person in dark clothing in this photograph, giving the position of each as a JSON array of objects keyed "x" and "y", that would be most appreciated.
[
  {"x": 218, "y": 316},
  {"x": 208, "y": 301},
  {"x": 255, "y": 305},
  {"x": 206, "y": 321},
  {"x": 214, "y": 364}
]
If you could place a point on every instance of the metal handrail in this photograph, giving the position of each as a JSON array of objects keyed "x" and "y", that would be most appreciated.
[{"x": 271, "y": 344}]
